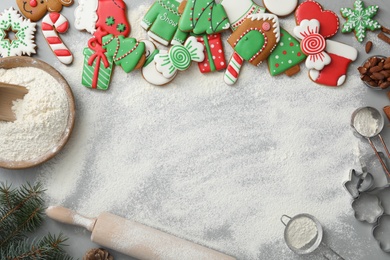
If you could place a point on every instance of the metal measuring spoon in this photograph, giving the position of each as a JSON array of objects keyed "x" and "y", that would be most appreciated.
[
  {"x": 303, "y": 234},
  {"x": 368, "y": 122},
  {"x": 9, "y": 93}
]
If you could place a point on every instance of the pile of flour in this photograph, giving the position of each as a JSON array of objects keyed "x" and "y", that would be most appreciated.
[{"x": 41, "y": 117}]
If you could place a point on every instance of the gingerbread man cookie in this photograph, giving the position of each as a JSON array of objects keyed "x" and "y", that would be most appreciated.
[
  {"x": 36, "y": 9},
  {"x": 23, "y": 41},
  {"x": 252, "y": 41}
]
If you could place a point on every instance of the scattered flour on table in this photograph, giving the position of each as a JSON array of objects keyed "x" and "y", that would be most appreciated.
[
  {"x": 210, "y": 163},
  {"x": 41, "y": 116}
]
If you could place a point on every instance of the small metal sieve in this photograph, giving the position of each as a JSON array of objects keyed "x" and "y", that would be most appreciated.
[{"x": 314, "y": 241}]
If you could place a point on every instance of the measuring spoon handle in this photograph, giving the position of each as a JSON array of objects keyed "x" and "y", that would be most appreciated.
[{"x": 329, "y": 253}]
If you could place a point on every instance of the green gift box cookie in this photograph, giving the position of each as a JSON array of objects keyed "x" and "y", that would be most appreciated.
[{"x": 97, "y": 68}]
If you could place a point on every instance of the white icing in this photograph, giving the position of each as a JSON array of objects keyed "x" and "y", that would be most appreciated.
[
  {"x": 86, "y": 16},
  {"x": 8, "y": 20},
  {"x": 271, "y": 17},
  {"x": 341, "y": 49},
  {"x": 236, "y": 10},
  {"x": 281, "y": 7},
  {"x": 150, "y": 72},
  {"x": 306, "y": 27},
  {"x": 317, "y": 63}
]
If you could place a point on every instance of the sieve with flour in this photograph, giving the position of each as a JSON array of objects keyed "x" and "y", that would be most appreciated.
[
  {"x": 368, "y": 122},
  {"x": 303, "y": 234}
]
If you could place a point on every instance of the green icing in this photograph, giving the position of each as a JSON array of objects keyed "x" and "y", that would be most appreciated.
[
  {"x": 88, "y": 72},
  {"x": 203, "y": 16},
  {"x": 286, "y": 55},
  {"x": 126, "y": 52},
  {"x": 360, "y": 19},
  {"x": 180, "y": 57},
  {"x": 163, "y": 18},
  {"x": 250, "y": 44}
]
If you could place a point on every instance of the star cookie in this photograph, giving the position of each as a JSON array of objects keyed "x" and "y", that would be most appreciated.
[{"x": 360, "y": 19}]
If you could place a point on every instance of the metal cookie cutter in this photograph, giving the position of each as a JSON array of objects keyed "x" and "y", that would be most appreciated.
[
  {"x": 368, "y": 122},
  {"x": 303, "y": 234}
]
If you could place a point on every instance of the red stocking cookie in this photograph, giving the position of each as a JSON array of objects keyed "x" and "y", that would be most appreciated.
[
  {"x": 253, "y": 41},
  {"x": 334, "y": 74},
  {"x": 112, "y": 17}
]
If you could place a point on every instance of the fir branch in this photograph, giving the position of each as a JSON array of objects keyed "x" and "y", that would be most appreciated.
[
  {"x": 25, "y": 194},
  {"x": 47, "y": 248}
]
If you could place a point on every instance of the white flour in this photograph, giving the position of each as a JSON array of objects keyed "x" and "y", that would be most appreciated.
[
  {"x": 210, "y": 163},
  {"x": 365, "y": 124},
  {"x": 41, "y": 117},
  {"x": 301, "y": 232}
]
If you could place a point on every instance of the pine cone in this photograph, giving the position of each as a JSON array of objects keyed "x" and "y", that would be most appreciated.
[{"x": 98, "y": 254}]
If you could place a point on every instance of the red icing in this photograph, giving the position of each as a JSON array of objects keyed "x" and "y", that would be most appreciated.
[
  {"x": 277, "y": 65},
  {"x": 46, "y": 27},
  {"x": 33, "y": 3},
  {"x": 284, "y": 52},
  {"x": 62, "y": 52},
  {"x": 54, "y": 16},
  {"x": 291, "y": 44},
  {"x": 63, "y": 27},
  {"x": 329, "y": 21},
  {"x": 116, "y": 9},
  {"x": 313, "y": 44},
  {"x": 233, "y": 72},
  {"x": 215, "y": 58},
  {"x": 53, "y": 40},
  {"x": 299, "y": 54},
  {"x": 266, "y": 26},
  {"x": 330, "y": 74}
]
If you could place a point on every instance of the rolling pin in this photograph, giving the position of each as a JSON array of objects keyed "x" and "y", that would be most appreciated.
[{"x": 135, "y": 239}]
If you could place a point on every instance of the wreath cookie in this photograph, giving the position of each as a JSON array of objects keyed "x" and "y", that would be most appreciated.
[
  {"x": 360, "y": 19},
  {"x": 23, "y": 41}
]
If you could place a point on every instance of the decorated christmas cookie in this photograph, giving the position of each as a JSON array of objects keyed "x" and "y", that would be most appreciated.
[
  {"x": 109, "y": 15},
  {"x": 125, "y": 52},
  {"x": 313, "y": 44},
  {"x": 329, "y": 21},
  {"x": 280, "y": 7},
  {"x": 334, "y": 74},
  {"x": 213, "y": 52},
  {"x": 53, "y": 24},
  {"x": 112, "y": 17},
  {"x": 179, "y": 57},
  {"x": 360, "y": 19},
  {"x": 86, "y": 15},
  {"x": 23, "y": 41},
  {"x": 162, "y": 22},
  {"x": 97, "y": 67},
  {"x": 286, "y": 57},
  {"x": 203, "y": 17},
  {"x": 238, "y": 11},
  {"x": 36, "y": 9},
  {"x": 253, "y": 41},
  {"x": 149, "y": 70}
]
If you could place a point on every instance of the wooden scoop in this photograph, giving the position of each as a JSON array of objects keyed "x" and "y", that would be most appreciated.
[{"x": 9, "y": 93}]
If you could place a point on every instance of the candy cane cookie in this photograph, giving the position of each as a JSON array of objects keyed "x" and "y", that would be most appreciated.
[{"x": 53, "y": 24}]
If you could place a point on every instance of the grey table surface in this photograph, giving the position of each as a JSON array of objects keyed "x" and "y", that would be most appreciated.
[{"x": 79, "y": 241}]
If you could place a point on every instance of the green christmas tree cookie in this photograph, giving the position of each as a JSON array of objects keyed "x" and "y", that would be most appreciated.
[
  {"x": 203, "y": 16},
  {"x": 360, "y": 19},
  {"x": 287, "y": 55}
]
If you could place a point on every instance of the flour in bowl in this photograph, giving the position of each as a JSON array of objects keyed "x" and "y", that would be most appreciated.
[{"x": 41, "y": 117}]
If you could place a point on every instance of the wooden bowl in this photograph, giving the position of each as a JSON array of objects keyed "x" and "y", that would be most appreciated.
[{"x": 20, "y": 61}]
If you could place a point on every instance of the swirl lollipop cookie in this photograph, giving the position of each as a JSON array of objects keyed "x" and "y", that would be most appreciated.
[{"x": 179, "y": 57}]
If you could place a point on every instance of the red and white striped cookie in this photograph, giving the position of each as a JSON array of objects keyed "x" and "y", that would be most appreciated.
[
  {"x": 233, "y": 69},
  {"x": 53, "y": 24}
]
